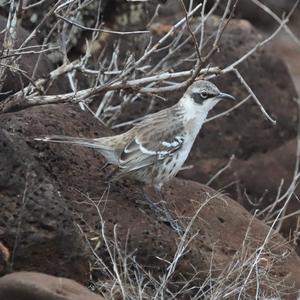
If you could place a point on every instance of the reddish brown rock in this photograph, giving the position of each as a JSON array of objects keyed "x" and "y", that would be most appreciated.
[
  {"x": 260, "y": 178},
  {"x": 35, "y": 223},
  {"x": 266, "y": 170},
  {"x": 221, "y": 228},
  {"x": 38, "y": 286}
]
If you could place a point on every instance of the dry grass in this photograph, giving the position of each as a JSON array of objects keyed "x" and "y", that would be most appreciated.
[{"x": 249, "y": 274}]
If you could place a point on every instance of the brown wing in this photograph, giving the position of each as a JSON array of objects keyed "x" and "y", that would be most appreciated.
[{"x": 152, "y": 142}]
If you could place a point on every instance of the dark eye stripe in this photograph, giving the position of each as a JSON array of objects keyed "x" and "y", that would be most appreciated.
[{"x": 199, "y": 99}]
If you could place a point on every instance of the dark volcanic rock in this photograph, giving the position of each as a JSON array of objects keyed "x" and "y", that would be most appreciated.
[
  {"x": 220, "y": 227},
  {"x": 38, "y": 286},
  {"x": 223, "y": 227},
  {"x": 35, "y": 223},
  {"x": 264, "y": 172},
  {"x": 261, "y": 176}
]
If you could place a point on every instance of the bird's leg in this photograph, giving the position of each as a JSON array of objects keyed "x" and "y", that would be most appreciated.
[
  {"x": 167, "y": 215},
  {"x": 160, "y": 209},
  {"x": 147, "y": 198}
]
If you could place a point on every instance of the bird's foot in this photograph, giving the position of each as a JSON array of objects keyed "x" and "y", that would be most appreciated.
[{"x": 167, "y": 218}]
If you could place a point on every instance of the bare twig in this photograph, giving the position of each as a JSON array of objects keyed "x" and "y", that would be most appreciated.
[
  {"x": 9, "y": 40},
  {"x": 227, "y": 166},
  {"x": 245, "y": 84}
]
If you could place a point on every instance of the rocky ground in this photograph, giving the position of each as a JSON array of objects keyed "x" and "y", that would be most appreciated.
[{"x": 59, "y": 215}]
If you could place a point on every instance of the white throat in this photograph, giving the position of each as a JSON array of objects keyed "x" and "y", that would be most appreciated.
[{"x": 194, "y": 110}]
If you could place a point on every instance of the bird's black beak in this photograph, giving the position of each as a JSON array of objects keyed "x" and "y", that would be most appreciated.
[{"x": 226, "y": 96}]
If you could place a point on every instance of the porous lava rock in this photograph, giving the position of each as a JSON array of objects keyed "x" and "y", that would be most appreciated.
[
  {"x": 260, "y": 178},
  {"x": 35, "y": 224},
  {"x": 39, "y": 286}
]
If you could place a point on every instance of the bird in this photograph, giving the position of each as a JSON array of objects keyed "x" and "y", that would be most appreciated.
[{"x": 155, "y": 149}]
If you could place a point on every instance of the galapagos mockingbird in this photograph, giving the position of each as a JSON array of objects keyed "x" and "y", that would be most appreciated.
[{"x": 154, "y": 150}]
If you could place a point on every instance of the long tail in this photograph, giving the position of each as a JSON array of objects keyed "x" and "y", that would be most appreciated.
[{"x": 91, "y": 143}]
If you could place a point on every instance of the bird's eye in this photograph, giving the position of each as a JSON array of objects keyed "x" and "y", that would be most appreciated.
[
  {"x": 204, "y": 94},
  {"x": 199, "y": 97}
]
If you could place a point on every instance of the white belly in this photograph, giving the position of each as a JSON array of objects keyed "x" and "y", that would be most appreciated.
[
  {"x": 182, "y": 157},
  {"x": 192, "y": 127}
]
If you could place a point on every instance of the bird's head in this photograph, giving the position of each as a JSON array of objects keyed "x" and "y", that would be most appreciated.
[{"x": 205, "y": 95}]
